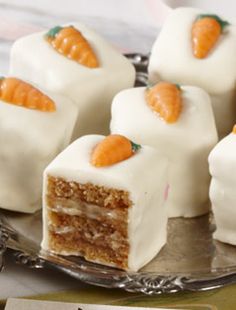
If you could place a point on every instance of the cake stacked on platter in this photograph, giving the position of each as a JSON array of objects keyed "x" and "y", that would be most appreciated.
[
  {"x": 222, "y": 190},
  {"x": 104, "y": 198},
  {"x": 107, "y": 198},
  {"x": 35, "y": 126},
  {"x": 178, "y": 121}
]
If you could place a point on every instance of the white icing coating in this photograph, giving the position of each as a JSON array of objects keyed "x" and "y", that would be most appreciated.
[
  {"x": 142, "y": 176},
  {"x": 29, "y": 140},
  {"x": 222, "y": 163},
  {"x": 33, "y": 59},
  {"x": 186, "y": 143},
  {"x": 172, "y": 59}
]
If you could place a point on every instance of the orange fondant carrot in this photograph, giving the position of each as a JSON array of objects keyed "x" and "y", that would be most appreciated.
[
  {"x": 165, "y": 99},
  {"x": 206, "y": 31},
  {"x": 113, "y": 149},
  {"x": 18, "y": 92},
  {"x": 70, "y": 42},
  {"x": 234, "y": 129}
]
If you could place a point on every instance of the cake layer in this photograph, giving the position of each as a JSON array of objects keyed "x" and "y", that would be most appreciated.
[
  {"x": 74, "y": 244},
  {"x": 92, "y": 89},
  {"x": 58, "y": 220},
  {"x": 91, "y": 232},
  {"x": 87, "y": 193}
]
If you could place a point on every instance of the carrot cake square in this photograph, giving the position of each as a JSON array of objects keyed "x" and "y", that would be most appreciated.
[{"x": 104, "y": 199}]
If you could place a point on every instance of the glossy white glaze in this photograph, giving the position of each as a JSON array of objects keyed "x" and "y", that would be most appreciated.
[
  {"x": 29, "y": 140},
  {"x": 186, "y": 143},
  {"x": 172, "y": 59},
  {"x": 142, "y": 175},
  {"x": 34, "y": 59},
  {"x": 222, "y": 162}
]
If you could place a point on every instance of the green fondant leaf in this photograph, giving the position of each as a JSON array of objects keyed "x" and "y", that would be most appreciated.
[
  {"x": 178, "y": 86},
  {"x": 135, "y": 147},
  {"x": 53, "y": 31},
  {"x": 223, "y": 23},
  {"x": 149, "y": 85}
]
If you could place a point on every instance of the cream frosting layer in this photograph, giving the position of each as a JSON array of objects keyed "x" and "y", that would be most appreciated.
[
  {"x": 222, "y": 163},
  {"x": 34, "y": 59},
  {"x": 186, "y": 143},
  {"x": 172, "y": 59},
  {"x": 29, "y": 140},
  {"x": 142, "y": 175}
]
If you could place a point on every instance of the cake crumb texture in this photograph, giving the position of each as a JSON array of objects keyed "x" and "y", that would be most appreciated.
[
  {"x": 89, "y": 221},
  {"x": 98, "y": 195}
]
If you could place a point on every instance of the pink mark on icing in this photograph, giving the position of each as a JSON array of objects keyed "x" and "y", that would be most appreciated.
[{"x": 166, "y": 192}]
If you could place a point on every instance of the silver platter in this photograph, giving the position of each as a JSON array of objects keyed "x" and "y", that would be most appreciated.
[{"x": 191, "y": 260}]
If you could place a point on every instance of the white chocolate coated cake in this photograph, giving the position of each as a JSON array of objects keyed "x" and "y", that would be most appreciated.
[
  {"x": 186, "y": 142},
  {"x": 222, "y": 163},
  {"x": 172, "y": 60},
  {"x": 114, "y": 215},
  {"x": 29, "y": 139},
  {"x": 92, "y": 89}
]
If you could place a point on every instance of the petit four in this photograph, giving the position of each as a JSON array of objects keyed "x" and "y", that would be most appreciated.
[
  {"x": 222, "y": 163},
  {"x": 178, "y": 121},
  {"x": 34, "y": 127},
  {"x": 77, "y": 63},
  {"x": 199, "y": 49},
  {"x": 104, "y": 199}
]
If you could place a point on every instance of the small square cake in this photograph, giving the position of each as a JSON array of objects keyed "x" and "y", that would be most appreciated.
[
  {"x": 178, "y": 121},
  {"x": 34, "y": 127},
  {"x": 104, "y": 200},
  {"x": 222, "y": 162},
  {"x": 199, "y": 49},
  {"x": 77, "y": 63}
]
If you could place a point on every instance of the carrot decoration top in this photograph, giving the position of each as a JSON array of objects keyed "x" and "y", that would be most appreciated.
[
  {"x": 113, "y": 149},
  {"x": 165, "y": 99},
  {"x": 234, "y": 129},
  {"x": 70, "y": 42},
  {"x": 18, "y": 92},
  {"x": 206, "y": 31}
]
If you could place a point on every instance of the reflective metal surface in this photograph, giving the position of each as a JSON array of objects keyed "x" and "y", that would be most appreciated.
[{"x": 191, "y": 259}]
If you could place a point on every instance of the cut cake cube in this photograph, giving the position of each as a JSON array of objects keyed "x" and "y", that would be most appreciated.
[{"x": 112, "y": 215}]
